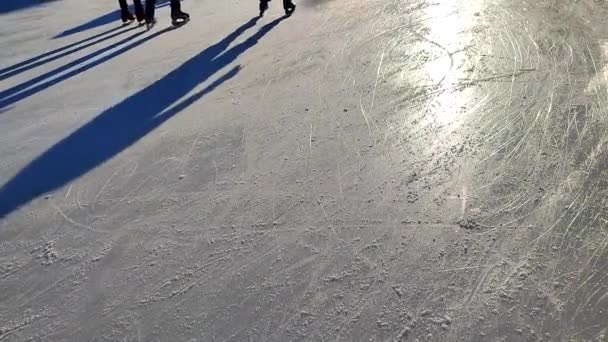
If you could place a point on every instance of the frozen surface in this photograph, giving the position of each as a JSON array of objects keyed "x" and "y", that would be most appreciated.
[{"x": 366, "y": 170}]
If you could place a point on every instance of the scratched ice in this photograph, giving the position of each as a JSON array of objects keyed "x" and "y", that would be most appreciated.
[{"x": 379, "y": 170}]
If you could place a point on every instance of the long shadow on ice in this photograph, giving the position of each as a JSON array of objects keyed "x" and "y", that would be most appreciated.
[
  {"x": 108, "y": 18},
  {"x": 61, "y": 52},
  {"x": 37, "y": 84},
  {"x": 7, "y": 6},
  {"x": 122, "y": 125},
  {"x": 33, "y": 86}
]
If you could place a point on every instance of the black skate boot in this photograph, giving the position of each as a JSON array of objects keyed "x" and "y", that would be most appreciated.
[
  {"x": 180, "y": 18},
  {"x": 289, "y": 7},
  {"x": 150, "y": 23},
  {"x": 141, "y": 17},
  {"x": 127, "y": 18}
]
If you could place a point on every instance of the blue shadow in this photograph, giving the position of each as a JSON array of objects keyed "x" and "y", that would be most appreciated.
[
  {"x": 105, "y": 19},
  {"x": 125, "y": 123},
  {"x": 49, "y": 53},
  {"x": 60, "y": 53},
  {"x": 57, "y": 54},
  {"x": 7, "y": 6},
  {"x": 26, "y": 89}
]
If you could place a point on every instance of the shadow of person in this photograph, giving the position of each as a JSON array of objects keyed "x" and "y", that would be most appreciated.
[
  {"x": 122, "y": 125},
  {"x": 105, "y": 19},
  {"x": 67, "y": 50},
  {"x": 37, "y": 84},
  {"x": 7, "y": 6}
]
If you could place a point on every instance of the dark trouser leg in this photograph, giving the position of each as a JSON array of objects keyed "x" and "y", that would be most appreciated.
[
  {"x": 124, "y": 10},
  {"x": 139, "y": 10},
  {"x": 287, "y": 4},
  {"x": 150, "y": 6},
  {"x": 263, "y": 5},
  {"x": 176, "y": 8}
]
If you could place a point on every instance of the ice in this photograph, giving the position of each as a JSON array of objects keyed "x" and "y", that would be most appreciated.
[{"x": 360, "y": 171}]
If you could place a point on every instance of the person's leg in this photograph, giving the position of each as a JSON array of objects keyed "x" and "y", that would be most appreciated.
[
  {"x": 263, "y": 6},
  {"x": 125, "y": 14},
  {"x": 150, "y": 6},
  {"x": 289, "y": 6},
  {"x": 179, "y": 17},
  {"x": 139, "y": 10},
  {"x": 176, "y": 8}
]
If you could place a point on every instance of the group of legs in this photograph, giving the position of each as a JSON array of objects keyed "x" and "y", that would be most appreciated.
[
  {"x": 288, "y": 6},
  {"x": 147, "y": 14}
]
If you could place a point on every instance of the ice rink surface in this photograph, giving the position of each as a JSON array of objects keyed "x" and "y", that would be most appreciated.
[{"x": 365, "y": 170}]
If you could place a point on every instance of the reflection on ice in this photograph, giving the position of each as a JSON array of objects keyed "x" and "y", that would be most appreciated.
[
  {"x": 448, "y": 25},
  {"x": 601, "y": 78}
]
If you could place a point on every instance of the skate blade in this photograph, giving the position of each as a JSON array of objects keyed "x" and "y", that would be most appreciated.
[
  {"x": 180, "y": 22},
  {"x": 289, "y": 12}
]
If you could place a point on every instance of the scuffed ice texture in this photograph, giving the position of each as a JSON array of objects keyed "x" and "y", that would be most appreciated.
[{"x": 379, "y": 170}]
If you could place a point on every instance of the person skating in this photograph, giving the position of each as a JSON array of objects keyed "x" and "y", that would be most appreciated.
[
  {"x": 288, "y": 6},
  {"x": 126, "y": 14},
  {"x": 177, "y": 16}
]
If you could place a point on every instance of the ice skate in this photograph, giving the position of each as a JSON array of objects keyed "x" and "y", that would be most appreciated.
[
  {"x": 290, "y": 8},
  {"x": 180, "y": 18},
  {"x": 150, "y": 23},
  {"x": 127, "y": 19}
]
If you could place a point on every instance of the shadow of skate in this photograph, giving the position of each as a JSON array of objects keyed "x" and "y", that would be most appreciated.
[{"x": 125, "y": 123}]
